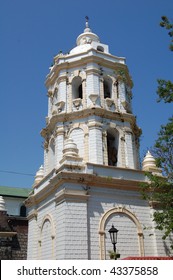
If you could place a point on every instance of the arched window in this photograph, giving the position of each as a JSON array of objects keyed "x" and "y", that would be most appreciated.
[
  {"x": 23, "y": 211},
  {"x": 77, "y": 88},
  {"x": 112, "y": 147},
  {"x": 107, "y": 87},
  {"x": 80, "y": 91}
]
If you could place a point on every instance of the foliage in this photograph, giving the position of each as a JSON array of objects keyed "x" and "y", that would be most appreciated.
[
  {"x": 159, "y": 190},
  {"x": 163, "y": 149},
  {"x": 165, "y": 88},
  {"x": 113, "y": 255},
  {"x": 165, "y": 91},
  {"x": 169, "y": 26}
]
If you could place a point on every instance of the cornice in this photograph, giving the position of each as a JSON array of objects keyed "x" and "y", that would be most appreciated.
[
  {"x": 100, "y": 181},
  {"x": 102, "y": 61},
  {"x": 7, "y": 233},
  {"x": 85, "y": 113},
  {"x": 71, "y": 195},
  {"x": 83, "y": 179}
]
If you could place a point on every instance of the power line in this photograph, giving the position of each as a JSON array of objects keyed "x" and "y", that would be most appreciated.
[{"x": 17, "y": 173}]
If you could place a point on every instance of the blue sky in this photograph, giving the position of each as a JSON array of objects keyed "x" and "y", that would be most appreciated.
[{"x": 33, "y": 31}]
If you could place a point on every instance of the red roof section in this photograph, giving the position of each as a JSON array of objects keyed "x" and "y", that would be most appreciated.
[{"x": 149, "y": 258}]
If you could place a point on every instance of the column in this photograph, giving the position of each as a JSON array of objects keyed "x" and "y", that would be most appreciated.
[
  {"x": 59, "y": 144},
  {"x": 102, "y": 101},
  {"x": 84, "y": 101},
  {"x": 129, "y": 149},
  {"x": 95, "y": 143},
  {"x": 105, "y": 149}
]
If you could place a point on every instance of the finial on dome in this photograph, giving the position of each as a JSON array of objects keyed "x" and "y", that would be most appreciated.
[
  {"x": 87, "y": 19},
  {"x": 149, "y": 164},
  {"x": 87, "y": 37},
  {"x": 70, "y": 148},
  {"x": 39, "y": 175},
  {"x": 87, "y": 29}
]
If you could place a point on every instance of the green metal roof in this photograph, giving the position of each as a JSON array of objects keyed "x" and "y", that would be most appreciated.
[{"x": 15, "y": 192}]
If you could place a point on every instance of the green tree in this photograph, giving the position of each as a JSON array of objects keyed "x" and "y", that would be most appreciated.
[
  {"x": 160, "y": 189},
  {"x": 165, "y": 88}
]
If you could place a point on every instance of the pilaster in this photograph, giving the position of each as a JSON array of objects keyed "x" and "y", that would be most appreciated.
[
  {"x": 69, "y": 97},
  {"x": 63, "y": 91},
  {"x": 45, "y": 158},
  {"x": 102, "y": 101},
  {"x": 121, "y": 89},
  {"x": 95, "y": 142},
  {"x": 129, "y": 149},
  {"x": 32, "y": 252},
  {"x": 59, "y": 144},
  {"x": 84, "y": 94},
  {"x": 105, "y": 153}
]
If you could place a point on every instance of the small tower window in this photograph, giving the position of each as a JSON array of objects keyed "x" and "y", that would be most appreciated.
[
  {"x": 23, "y": 211},
  {"x": 112, "y": 148},
  {"x": 80, "y": 91},
  {"x": 100, "y": 49},
  {"x": 107, "y": 88},
  {"x": 77, "y": 91}
]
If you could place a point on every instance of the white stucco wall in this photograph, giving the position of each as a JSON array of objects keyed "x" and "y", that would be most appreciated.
[
  {"x": 73, "y": 230},
  {"x": 13, "y": 204}
]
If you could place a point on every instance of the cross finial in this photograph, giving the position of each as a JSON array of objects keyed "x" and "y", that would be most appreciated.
[{"x": 87, "y": 18}]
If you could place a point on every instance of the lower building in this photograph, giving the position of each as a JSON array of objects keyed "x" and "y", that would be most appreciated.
[
  {"x": 13, "y": 223},
  {"x": 72, "y": 216}
]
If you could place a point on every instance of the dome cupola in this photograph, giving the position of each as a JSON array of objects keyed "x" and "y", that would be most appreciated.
[{"x": 87, "y": 37}]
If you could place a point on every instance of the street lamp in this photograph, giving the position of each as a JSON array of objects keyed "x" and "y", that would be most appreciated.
[{"x": 113, "y": 235}]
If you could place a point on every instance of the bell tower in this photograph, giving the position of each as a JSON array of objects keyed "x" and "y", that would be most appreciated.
[
  {"x": 89, "y": 101},
  {"x": 90, "y": 178}
]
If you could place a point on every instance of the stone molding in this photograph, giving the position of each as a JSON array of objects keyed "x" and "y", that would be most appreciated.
[
  {"x": 72, "y": 195},
  {"x": 76, "y": 176},
  {"x": 33, "y": 215},
  {"x": 81, "y": 61},
  {"x": 7, "y": 233},
  {"x": 86, "y": 113}
]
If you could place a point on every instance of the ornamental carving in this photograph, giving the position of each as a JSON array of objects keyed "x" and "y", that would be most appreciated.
[
  {"x": 77, "y": 103},
  {"x": 93, "y": 97},
  {"x": 60, "y": 105}
]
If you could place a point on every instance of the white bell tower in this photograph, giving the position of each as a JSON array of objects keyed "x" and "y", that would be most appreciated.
[
  {"x": 91, "y": 177},
  {"x": 89, "y": 92}
]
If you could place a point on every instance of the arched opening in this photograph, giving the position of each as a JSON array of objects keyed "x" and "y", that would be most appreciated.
[
  {"x": 77, "y": 91},
  {"x": 47, "y": 237},
  {"x": 80, "y": 91},
  {"x": 112, "y": 147},
  {"x": 122, "y": 218},
  {"x": 23, "y": 211},
  {"x": 107, "y": 87}
]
